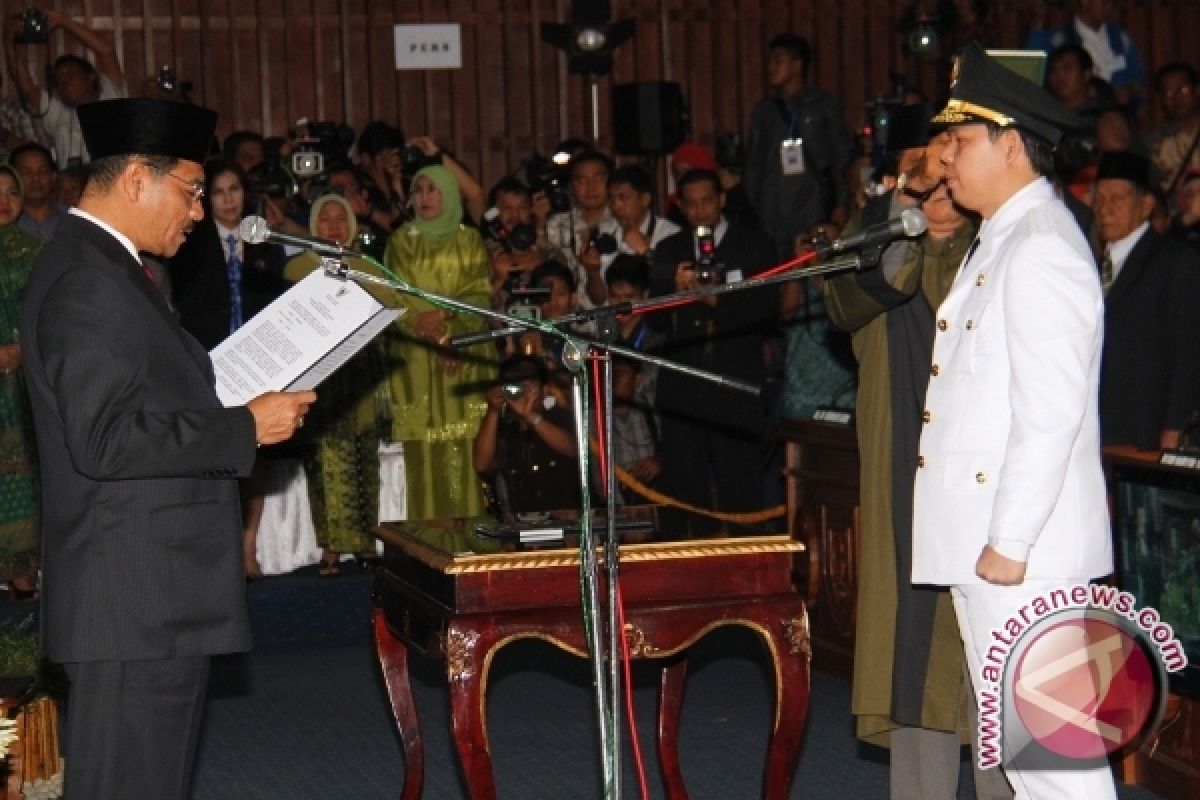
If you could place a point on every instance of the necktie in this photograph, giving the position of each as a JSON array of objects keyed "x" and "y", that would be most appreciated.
[
  {"x": 235, "y": 284},
  {"x": 967, "y": 258},
  {"x": 1106, "y": 272}
]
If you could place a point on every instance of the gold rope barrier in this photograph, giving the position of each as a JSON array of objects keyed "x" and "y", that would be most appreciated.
[{"x": 739, "y": 517}]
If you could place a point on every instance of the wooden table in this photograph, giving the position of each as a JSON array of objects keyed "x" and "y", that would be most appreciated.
[{"x": 450, "y": 593}]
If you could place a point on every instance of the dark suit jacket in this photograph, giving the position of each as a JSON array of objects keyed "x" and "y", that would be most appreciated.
[
  {"x": 726, "y": 340},
  {"x": 1150, "y": 376},
  {"x": 200, "y": 283},
  {"x": 141, "y": 527}
]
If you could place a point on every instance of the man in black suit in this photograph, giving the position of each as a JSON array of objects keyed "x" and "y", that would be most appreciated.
[
  {"x": 141, "y": 535},
  {"x": 1149, "y": 379},
  {"x": 712, "y": 435}
]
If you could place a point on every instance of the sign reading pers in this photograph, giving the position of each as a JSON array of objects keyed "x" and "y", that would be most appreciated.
[{"x": 428, "y": 46}]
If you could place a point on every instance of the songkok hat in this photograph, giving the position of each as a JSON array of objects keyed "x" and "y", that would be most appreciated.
[
  {"x": 1124, "y": 167},
  {"x": 147, "y": 127},
  {"x": 984, "y": 90},
  {"x": 908, "y": 127}
]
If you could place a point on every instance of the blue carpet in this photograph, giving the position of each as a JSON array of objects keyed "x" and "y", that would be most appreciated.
[{"x": 305, "y": 717}]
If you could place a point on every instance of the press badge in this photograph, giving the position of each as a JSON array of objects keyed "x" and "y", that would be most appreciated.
[{"x": 791, "y": 156}]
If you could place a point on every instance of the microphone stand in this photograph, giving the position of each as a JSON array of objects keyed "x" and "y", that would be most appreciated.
[{"x": 576, "y": 350}]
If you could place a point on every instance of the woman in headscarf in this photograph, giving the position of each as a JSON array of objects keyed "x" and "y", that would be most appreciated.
[
  {"x": 437, "y": 392},
  {"x": 18, "y": 472},
  {"x": 347, "y": 421}
]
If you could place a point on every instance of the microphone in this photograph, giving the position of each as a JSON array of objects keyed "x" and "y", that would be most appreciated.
[
  {"x": 911, "y": 222},
  {"x": 255, "y": 230}
]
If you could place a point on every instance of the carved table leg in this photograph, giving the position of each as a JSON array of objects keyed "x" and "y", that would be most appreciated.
[
  {"x": 466, "y": 652},
  {"x": 791, "y": 651},
  {"x": 670, "y": 702},
  {"x": 393, "y": 661}
]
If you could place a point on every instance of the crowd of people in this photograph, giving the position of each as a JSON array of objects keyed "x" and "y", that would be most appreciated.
[
  {"x": 555, "y": 236},
  {"x": 419, "y": 425}
]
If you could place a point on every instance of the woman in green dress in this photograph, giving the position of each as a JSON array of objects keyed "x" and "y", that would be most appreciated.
[
  {"x": 349, "y": 418},
  {"x": 437, "y": 392},
  {"x": 19, "y": 540}
]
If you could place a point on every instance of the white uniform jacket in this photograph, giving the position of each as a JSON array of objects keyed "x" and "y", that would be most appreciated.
[{"x": 1010, "y": 448}]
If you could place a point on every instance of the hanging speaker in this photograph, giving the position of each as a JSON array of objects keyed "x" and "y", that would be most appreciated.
[{"x": 649, "y": 118}]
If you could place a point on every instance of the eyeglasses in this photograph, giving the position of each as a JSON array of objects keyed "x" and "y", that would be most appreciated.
[{"x": 195, "y": 189}]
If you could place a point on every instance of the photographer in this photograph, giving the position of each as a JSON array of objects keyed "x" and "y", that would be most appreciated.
[
  {"x": 711, "y": 435},
  {"x": 579, "y": 235},
  {"x": 631, "y": 199},
  {"x": 511, "y": 237},
  {"x": 525, "y": 445},
  {"x": 75, "y": 80},
  {"x": 245, "y": 150},
  {"x": 378, "y": 153}
]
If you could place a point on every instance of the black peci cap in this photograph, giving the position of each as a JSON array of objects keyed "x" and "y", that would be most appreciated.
[
  {"x": 1124, "y": 167},
  {"x": 147, "y": 127},
  {"x": 909, "y": 127},
  {"x": 984, "y": 90}
]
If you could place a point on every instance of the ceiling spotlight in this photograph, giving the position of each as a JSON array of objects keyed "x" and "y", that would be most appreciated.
[
  {"x": 923, "y": 40},
  {"x": 589, "y": 40}
]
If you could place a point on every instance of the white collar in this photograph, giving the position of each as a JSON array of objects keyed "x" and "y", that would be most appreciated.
[
  {"x": 125, "y": 241},
  {"x": 1119, "y": 250}
]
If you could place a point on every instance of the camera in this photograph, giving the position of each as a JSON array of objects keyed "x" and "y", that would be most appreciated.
[
  {"x": 519, "y": 237},
  {"x": 549, "y": 176},
  {"x": 708, "y": 271},
  {"x": 271, "y": 178},
  {"x": 605, "y": 243},
  {"x": 319, "y": 144},
  {"x": 526, "y": 302},
  {"x": 367, "y": 241},
  {"x": 35, "y": 28},
  {"x": 511, "y": 390},
  {"x": 166, "y": 78},
  {"x": 413, "y": 159},
  {"x": 820, "y": 240}
]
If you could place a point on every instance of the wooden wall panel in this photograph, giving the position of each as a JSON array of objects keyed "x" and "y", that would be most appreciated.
[{"x": 265, "y": 63}]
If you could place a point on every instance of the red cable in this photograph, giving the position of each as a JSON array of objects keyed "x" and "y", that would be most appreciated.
[
  {"x": 798, "y": 261},
  {"x": 638, "y": 763},
  {"x": 601, "y": 432}
]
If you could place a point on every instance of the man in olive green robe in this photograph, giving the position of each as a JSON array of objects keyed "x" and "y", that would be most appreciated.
[{"x": 908, "y": 684}]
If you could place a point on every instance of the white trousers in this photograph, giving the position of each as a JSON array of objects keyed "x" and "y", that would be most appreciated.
[{"x": 980, "y": 610}]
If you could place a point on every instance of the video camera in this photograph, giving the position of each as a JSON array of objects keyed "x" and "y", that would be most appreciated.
[
  {"x": 271, "y": 178},
  {"x": 319, "y": 144}
]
